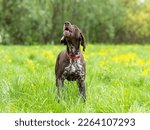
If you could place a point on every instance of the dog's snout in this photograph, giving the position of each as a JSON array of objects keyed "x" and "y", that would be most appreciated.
[{"x": 67, "y": 23}]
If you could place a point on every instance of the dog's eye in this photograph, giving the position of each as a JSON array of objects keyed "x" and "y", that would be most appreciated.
[{"x": 66, "y": 23}]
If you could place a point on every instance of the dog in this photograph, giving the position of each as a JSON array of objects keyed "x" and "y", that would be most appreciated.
[{"x": 70, "y": 64}]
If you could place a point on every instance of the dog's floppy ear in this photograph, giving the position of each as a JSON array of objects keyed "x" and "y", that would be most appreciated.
[
  {"x": 82, "y": 40},
  {"x": 63, "y": 40},
  {"x": 81, "y": 37}
]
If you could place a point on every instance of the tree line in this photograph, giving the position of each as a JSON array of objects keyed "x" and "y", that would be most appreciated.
[{"x": 31, "y": 22}]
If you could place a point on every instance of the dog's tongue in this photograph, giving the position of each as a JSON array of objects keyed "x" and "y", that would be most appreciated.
[{"x": 66, "y": 33}]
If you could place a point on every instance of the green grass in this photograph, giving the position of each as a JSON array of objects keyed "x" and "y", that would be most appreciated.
[{"x": 117, "y": 80}]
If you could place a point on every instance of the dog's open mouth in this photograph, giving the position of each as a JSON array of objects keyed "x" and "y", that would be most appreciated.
[{"x": 66, "y": 29}]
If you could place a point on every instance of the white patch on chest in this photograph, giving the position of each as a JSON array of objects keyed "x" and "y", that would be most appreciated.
[
  {"x": 73, "y": 66},
  {"x": 72, "y": 69}
]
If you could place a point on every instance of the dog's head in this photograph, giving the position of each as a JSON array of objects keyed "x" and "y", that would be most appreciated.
[{"x": 72, "y": 37}]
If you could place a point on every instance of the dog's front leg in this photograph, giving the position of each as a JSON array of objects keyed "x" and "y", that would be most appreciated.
[
  {"x": 82, "y": 91},
  {"x": 58, "y": 88},
  {"x": 59, "y": 83}
]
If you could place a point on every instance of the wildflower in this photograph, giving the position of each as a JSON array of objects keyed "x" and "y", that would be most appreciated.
[
  {"x": 148, "y": 62},
  {"x": 86, "y": 56},
  {"x": 49, "y": 54},
  {"x": 140, "y": 62},
  {"x": 102, "y": 52},
  {"x": 125, "y": 58},
  {"x": 146, "y": 71}
]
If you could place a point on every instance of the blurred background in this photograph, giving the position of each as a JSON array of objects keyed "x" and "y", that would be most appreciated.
[{"x": 30, "y": 22}]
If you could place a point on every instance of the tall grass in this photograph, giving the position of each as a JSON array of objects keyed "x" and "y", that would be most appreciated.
[{"x": 117, "y": 80}]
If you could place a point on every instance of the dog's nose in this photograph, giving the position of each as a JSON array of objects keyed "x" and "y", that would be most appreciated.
[{"x": 67, "y": 23}]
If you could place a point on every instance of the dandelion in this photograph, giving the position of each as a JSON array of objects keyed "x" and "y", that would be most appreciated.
[
  {"x": 102, "y": 52},
  {"x": 86, "y": 56},
  {"x": 126, "y": 58},
  {"x": 146, "y": 71},
  {"x": 140, "y": 62},
  {"x": 49, "y": 54},
  {"x": 148, "y": 62}
]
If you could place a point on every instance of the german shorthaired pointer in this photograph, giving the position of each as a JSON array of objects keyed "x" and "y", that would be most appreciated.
[{"x": 70, "y": 64}]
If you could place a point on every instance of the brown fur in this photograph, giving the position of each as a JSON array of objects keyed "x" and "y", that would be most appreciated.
[{"x": 71, "y": 69}]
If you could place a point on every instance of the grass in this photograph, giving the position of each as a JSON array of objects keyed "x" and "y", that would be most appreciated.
[{"x": 117, "y": 80}]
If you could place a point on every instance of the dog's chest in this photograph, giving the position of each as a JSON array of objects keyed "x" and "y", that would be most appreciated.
[{"x": 74, "y": 70}]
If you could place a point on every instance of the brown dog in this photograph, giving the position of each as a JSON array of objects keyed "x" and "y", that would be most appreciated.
[{"x": 70, "y": 64}]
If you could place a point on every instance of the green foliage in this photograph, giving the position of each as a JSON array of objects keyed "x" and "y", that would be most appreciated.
[
  {"x": 137, "y": 23},
  {"x": 119, "y": 81},
  {"x": 41, "y": 21},
  {"x": 23, "y": 21}
]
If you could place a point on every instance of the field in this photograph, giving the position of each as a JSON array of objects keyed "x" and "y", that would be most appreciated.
[{"x": 117, "y": 80}]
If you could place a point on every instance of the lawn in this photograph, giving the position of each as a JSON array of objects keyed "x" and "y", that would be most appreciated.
[{"x": 117, "y": 80}]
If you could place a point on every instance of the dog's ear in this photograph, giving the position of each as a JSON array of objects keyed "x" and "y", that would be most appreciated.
[
  {"x": 79, "y": 35},
  {"x": 76, "y": 31},
  {"x": 63, "y": 40},
  {"x": 82, "y": 40}
]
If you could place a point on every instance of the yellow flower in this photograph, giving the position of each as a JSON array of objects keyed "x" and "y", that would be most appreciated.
[
  {"x": 102, "y": 52},
  {"x": 148, "y": 62},
  {"x": 125, "y": 58},
  {"x": 140, "y": 62},
  {"x": 49, "y": 54},
  {"x": 146, "y": 71},
  {"x": 86, "y": 56}
]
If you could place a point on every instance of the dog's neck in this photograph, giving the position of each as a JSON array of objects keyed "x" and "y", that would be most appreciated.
[
  {"x": 73, "y": 49},
  {"x": 69, "y": 52}
]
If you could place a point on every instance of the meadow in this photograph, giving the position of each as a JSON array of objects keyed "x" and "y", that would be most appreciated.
[{"x": 117, "y": 80}]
